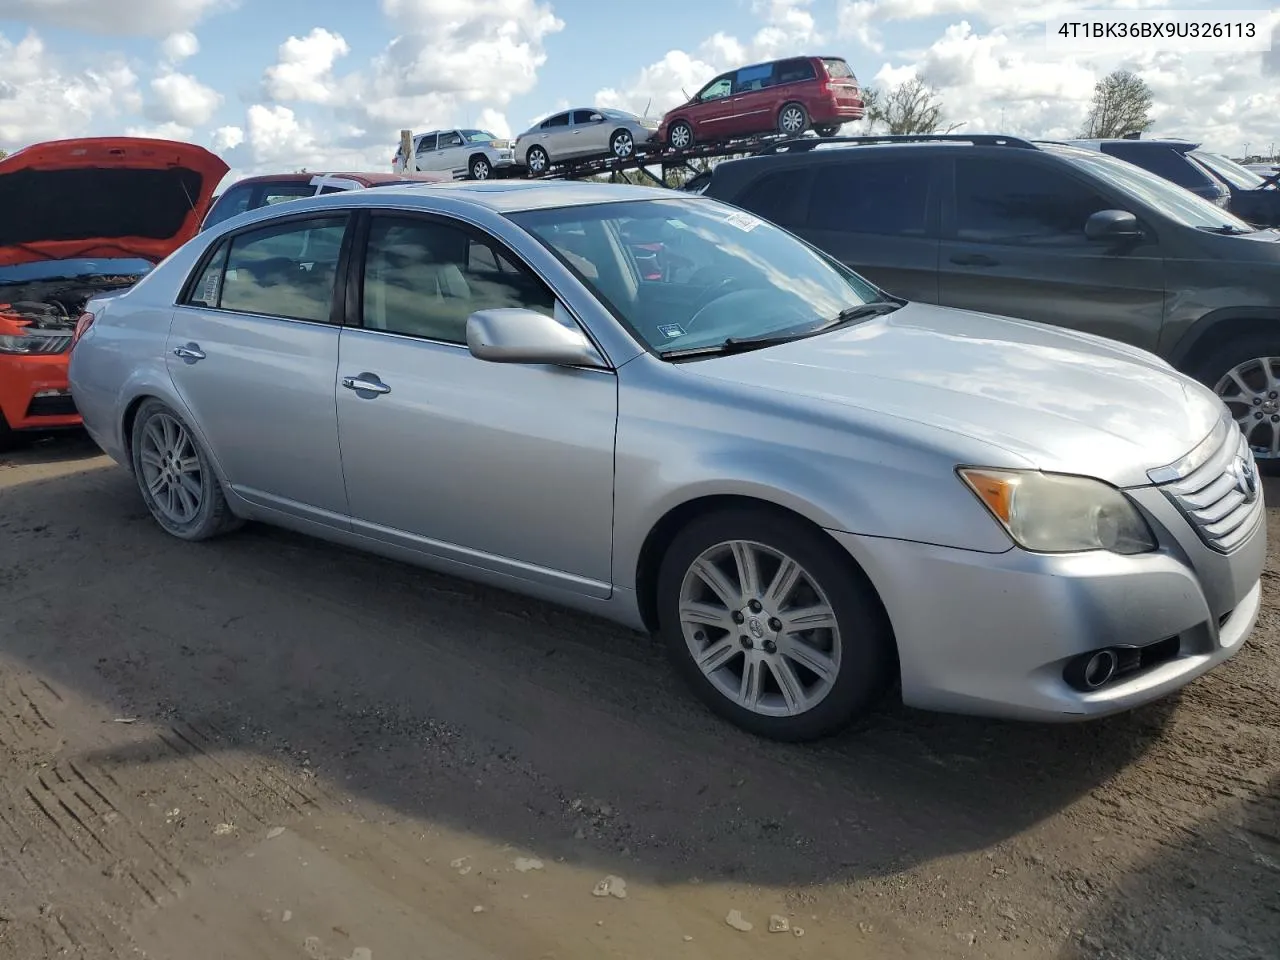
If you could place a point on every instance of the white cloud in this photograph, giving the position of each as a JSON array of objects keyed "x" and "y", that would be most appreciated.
[
  {"x": 227, "y": 138},
  {"x": 179, "y": 46},
  {"x": 494, "y": 121},
  {"x": 148, "y": 18},
  {"x": 41, "y": 100},
  {"x": 304, "y": 69},
  {"x": 182, "y": 98},
  {"x": 162, "y": 131}
]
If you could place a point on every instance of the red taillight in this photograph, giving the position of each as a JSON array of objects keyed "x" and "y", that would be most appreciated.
[{"x": 82, "y": 325}]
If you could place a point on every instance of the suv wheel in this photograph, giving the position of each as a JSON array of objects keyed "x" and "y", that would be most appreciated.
[
  {"x": 792, "y": 120},
  {"x": 772, "y": 624},
  {"x": 680, "y": 136},
  {"x": 537, "y": 160},
  {"x": 481, "y": 169},
  {"x": 622, "y": 144},
  {"x": 1245, "y": 374}
]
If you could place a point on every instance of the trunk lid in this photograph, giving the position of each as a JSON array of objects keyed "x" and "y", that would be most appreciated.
[{"x": 104, "y": 197}]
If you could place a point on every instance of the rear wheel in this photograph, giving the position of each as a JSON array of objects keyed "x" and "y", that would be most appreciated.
[
  {"x": 537, "y": 160},
  {"x": 680, "y": 136},
  {"x": 793, "y": 120},
  {"x": 773, "y": 625},
  {"x": 1245, "y": 374},
  {"x": 175, "y": 477}
]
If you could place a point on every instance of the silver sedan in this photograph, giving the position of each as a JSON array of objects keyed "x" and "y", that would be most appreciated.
[
  {"x": 581, "y": 133},
  {"x": 810, "y": 489}
]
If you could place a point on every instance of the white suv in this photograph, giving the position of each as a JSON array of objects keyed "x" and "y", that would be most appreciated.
[{"x": 465, "y": 154}]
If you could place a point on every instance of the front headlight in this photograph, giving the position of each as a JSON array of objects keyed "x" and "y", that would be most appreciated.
[
  {"x": 26, "y": 343},
  {"x": 1057, "y": 513}
]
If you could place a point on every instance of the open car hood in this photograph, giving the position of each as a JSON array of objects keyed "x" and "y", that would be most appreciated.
[{"x": 104, "y": 197}]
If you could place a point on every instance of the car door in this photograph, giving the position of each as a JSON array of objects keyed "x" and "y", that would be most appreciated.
[
  {"x": 451, "y": 154},
  {"x": 877, "y": 216},
  {"x": 1014, "y": 244},
  {"x": 712, "y": 113},
  {"x": 253, "y": 353},
  {"x": 504, "y": 466},
  {"x": 590, "y": 134},
  {"x": 424, "y": 152},
  {"x": 556, "y": 136},
  {"x": 754, "y": 94}
]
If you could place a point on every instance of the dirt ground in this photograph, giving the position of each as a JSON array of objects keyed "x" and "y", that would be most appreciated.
[{"x": 265, "y": 747}]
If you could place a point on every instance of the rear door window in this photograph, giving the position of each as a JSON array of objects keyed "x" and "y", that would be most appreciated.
[
  {"x": 1162, "y": 161},
  {"x": 882, "y": 197},
  {"x": 283, "y": 270},
  {"x": 559, "y": 120},
  {"x": 750, "y": 79}
]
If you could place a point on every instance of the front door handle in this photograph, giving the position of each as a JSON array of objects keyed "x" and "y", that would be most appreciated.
[
  {"x": 366, "y": 385},
  {"x": 189, "y": 352},
  {"x": 975, "y": 260}
]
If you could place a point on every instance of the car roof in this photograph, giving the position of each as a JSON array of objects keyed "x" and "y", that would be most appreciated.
[
  {"x": 368, "y": 178},
  {"x": 1176, "y": 143}
]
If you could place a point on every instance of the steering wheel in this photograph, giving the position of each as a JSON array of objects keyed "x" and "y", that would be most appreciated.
[
  {"x": 720, "y": 300},
  {"x": 709, "y": 296}
]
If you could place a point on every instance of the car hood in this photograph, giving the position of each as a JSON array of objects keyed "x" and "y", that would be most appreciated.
[
  {"x": 1053, "y": 399},
  {"x": 104, "y": 197}
]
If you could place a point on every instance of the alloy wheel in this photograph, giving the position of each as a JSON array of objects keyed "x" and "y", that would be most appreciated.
[
  {"x": 1251, "y": 391},
  {"x": 792, "y": 120},
  {"x": 480, "y": 170},
  {"x": 537, "y": 160},
  {"x": 681, "y": 136},
  {"x": 171, "y": 469},
  {"x": 760, "y": 628},
  {"x": 623, "y": 145}
]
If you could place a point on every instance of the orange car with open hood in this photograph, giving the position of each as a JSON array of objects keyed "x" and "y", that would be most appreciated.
[{"x": 82, "y": 218}]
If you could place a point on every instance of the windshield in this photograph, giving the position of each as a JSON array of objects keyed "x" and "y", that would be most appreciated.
[
  {"x": 1242, "y": 178},
  {"x": 1175, "y": 202},
  {"x": 477, "y": 136},
  {"x": 690, "y": 273}
]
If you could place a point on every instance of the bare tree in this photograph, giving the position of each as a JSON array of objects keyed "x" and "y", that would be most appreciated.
[
  {"x": 910, "y": 107},
  {"x": 1121, "y": 106}
]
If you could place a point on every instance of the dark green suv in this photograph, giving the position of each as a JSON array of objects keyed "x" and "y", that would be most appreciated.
[{"x": 1044, "y": 232}]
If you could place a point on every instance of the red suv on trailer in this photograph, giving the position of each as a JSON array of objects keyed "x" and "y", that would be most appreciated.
[{"x": 782, "y": 96}]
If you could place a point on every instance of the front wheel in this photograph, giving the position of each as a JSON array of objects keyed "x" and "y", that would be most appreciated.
[
  {"x": 680, "y": 136},
  {"x": 1245, "y": 374},
  {"x": 622, "y": 144},
  {"x": 537, "y": 160},
  {"x": 481, "y": 169},
  {"x": 773, "y": 625},
  {"x": 175, "y": 476}
]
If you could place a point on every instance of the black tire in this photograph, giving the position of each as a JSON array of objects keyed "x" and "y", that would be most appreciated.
[
  {"x": 537, "y": 160},
  {"x": 8, "y": 439},
  {"x": 867, "y": 652},
  {"x": 1215, "y": 363},
  {"x": 213, "y": 516},
  {"x": 480, "y": 169},
  {"x": 682, "y": 140},
  {"x": 622, "y": 145},
  {"x": 827, "y": 130},
  {"x": 785, "y": 119}
]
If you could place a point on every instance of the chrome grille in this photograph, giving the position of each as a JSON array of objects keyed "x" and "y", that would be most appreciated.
[{"x": 1217, "y": 488}]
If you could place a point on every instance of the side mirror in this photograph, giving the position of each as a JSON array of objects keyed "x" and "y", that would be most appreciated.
[
  {"x": 1112, "y": 225},
  {"x": 517, "y": 335}
]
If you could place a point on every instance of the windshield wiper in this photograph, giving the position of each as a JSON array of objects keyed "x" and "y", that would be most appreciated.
[
  {"x": 1227, "y": 230},
  {"x": 743, "y": 344}
]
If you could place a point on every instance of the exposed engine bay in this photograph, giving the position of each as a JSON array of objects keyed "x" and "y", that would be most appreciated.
[{"x": 55, "y": 304}]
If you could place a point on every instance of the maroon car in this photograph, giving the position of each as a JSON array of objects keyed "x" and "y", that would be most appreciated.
[{"x": 783, "y": 96}]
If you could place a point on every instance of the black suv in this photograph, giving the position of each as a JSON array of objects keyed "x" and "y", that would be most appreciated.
[
  {"x": 1045, "y": 232},
  {"x": 1250, "y": 197}
]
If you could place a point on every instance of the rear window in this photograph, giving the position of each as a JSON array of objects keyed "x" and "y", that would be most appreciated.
[
  {"x": 838, "y": 70},
  {"x": 1162, "y": 161}
]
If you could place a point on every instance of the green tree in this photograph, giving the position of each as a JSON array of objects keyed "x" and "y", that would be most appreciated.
[
  {"x": 912, "y": 107},
  {"x": 1121, "y": 105}
]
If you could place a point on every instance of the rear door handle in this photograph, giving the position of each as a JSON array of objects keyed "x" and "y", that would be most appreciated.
[
  {"x": 366, "y": 385},
  {"x": 975, "y": 260},
  {"x": 189, "y": 352}
]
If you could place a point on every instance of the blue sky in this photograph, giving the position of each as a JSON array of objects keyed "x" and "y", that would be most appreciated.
[{"x": 337, "y": 96}]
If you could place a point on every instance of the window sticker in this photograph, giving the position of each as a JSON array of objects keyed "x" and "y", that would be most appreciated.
[
  {"x": 671, "y": 330},
  {"x": 743, "y": 221}
]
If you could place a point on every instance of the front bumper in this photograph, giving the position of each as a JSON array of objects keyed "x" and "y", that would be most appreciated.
[
  {"x": 34, "y": 394},
  {"x": 992, "y": 633}
]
